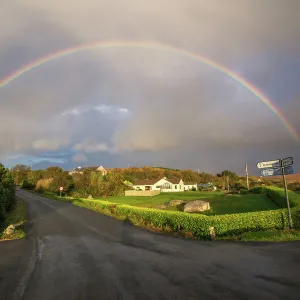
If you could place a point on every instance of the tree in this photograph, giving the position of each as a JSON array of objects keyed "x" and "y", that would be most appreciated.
[
  {"x": 62, "y": 179},
  {"x": 7, "y": 191},
  {"x": 52, "y": 172},
  {"x": 20, "y": 172},
  {"x": 190, "y": 176}
]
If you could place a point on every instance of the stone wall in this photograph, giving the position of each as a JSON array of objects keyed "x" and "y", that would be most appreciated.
[{"x": 142, "y": 193}]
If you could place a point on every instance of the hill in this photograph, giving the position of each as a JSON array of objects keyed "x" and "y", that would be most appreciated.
[{"x": 289, "y": 178}]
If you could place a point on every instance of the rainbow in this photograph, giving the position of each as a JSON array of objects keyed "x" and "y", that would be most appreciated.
[{"x": 155, "y": 46}]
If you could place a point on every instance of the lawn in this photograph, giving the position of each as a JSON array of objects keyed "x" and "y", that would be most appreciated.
[
  {"x": 219, "y": 202},
  {"x": 162, "y": 198}
]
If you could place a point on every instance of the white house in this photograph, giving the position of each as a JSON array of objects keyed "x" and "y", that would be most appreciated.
[
  {"x": 80, "y": 170},
  {"x": 164, "y": 185},
  {"x": 189, "y": 186}
]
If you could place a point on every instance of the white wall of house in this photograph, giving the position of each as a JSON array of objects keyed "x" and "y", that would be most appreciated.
[{"x": 160, "y": 184}]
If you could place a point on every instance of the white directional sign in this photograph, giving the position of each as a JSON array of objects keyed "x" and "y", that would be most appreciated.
[
  {"x": 269, "y": 164},
  {"x": 287, "y": 161},
  {"x": 276, "y": 172}
]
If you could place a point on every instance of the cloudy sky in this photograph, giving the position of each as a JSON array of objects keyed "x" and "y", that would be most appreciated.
[{"x": 143, "y": 106}]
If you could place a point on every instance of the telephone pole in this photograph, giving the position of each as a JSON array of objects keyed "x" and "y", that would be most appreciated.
[
  {"x": 247, "y": 176},
  {"x": 227, "y": 183}
]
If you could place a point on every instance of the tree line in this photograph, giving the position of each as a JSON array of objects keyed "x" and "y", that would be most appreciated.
[{"x": 117, "y": 180}]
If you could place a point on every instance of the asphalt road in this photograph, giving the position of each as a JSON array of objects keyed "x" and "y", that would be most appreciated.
[{"x": 80, "y": 254}]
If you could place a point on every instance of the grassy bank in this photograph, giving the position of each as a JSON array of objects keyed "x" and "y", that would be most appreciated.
[
  {"x": 16, "y": 217},
  {"x": 271, "y": 235}
]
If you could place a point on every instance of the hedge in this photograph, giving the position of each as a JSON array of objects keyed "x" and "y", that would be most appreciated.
[{"x": 278, "y": 196}]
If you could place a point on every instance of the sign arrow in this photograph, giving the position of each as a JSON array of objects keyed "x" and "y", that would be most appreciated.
[
  {"x": 287, "y": 161},
  {"x": 276, "y": 172},
  {"x": 269, "y": 164}
]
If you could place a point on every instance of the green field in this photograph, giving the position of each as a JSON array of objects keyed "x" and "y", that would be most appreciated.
[{"x": 219, "y": 202}]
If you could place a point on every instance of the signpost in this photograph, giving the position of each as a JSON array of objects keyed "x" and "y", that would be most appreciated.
[
  {"x": 60, "y": 190},
  {"x": 269, "y": 164},
  {"x": 276, "y": 172},
  {"x": 279, "y": 167}
]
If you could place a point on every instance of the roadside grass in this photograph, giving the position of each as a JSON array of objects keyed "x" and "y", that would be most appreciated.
[
  {"x": 266, "y": 236},
  {"x": 16, "y": 217}
]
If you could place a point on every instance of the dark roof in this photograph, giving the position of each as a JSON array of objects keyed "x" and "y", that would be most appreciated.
[
  {"x": 190, "y": 183},
  {"x": 173, "y": 180},
  {"x": 146, "y": 181},
  {"x": 153, "y": 181}
]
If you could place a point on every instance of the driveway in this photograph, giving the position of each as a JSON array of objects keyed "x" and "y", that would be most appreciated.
[{"x": 80, "y": 254}]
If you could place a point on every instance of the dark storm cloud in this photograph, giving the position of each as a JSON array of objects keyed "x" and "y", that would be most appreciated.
[{"x": 182, "y": 113}]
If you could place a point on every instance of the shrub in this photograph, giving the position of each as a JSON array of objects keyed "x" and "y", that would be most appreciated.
[
  {"x": 27, "y": 185},
  {"x": 244, "y": 191}
]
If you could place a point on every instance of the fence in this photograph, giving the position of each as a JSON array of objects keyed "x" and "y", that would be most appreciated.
[{"x": 142, "y": 193}]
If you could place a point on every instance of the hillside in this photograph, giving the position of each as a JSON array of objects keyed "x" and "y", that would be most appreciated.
[{"x": 289, "y": 178}]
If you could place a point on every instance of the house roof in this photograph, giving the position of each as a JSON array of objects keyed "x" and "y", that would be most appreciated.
[
  {"x": 146, "y": 181},
  {"x": 173, "y": 180},
  {"x": 190, "y": 183},
  {"x": 153, "y": 181},
  {"x": 81, "y": 169}
]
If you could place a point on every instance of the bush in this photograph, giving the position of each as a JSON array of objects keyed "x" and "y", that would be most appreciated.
[
  {"x": 27, "y": 185},
  {"x": 278, "y": 196},
  {"x": 7, "y": 192},
  {"x": 244, "y": 191}
]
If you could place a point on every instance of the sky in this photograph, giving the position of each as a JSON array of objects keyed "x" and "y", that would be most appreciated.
[{"x": 130, "y": 106}]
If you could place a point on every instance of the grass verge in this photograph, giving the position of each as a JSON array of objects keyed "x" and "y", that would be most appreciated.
[
  {"x": 266, "y": 236},
  {"x": 16, "y": 217}
]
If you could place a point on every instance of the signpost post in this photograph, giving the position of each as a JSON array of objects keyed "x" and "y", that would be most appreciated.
[
  {"x": 286, "y": 194},
  {"x": 279, "y": 167},
  {"x": 60, "y": 190}
]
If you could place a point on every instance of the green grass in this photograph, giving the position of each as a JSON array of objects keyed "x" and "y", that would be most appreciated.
[
  {"x": 16, "y": 217},
  {"x": 219, "y": 202},
  {"x": 162, "y": 198},
  {"x": 266, "y": 236}
]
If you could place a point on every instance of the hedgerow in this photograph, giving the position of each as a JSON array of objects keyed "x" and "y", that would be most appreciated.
[{"x": 278, "y": 196}]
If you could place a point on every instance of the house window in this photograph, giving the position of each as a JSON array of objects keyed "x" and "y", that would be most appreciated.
[
  {"x": 158, "y": 186},
  {"x": 175, "y": 187},
  {"x": 166, "y": 186}
]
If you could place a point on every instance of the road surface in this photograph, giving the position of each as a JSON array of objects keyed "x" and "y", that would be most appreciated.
[{"x": 80, "y": 254}]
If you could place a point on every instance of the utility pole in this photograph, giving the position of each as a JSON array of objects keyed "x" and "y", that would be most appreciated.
[
  {"x": 227, "y": 183},
  {"x": 247, "y": 177}
]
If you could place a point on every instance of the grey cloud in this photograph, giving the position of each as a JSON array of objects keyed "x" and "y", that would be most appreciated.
[
  {"x": 79, "y": 157},
  {"x": 180, "y": 110}
]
